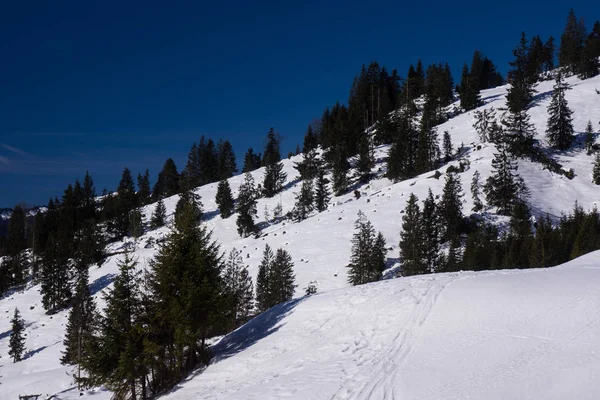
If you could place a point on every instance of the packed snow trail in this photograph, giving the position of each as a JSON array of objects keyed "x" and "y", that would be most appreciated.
[{"x": 527, "y": 334}]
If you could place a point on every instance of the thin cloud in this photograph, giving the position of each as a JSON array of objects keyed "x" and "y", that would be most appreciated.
[
  {"x": 14, "y": 150},
  {"x": 4, "y": 160}
]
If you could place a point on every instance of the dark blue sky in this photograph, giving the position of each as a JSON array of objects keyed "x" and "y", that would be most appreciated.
[{"x": 100, "y": 85}]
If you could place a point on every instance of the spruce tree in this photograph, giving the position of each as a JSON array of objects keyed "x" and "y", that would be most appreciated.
[
  {"x": 168, "y": 182},
  {"x": 340, "y": 171},
  {"x": 366, "y": 157},
  {"x": 136, "y": 223},
  {"x": 281, "y": 278},
  {"x": 124, "y": 202},
  {"x": 572, "y": 43},
  {"x": 589, "y": 137},
  {"x": 559, "y": 130},
  {"x": 596, "y": 170},
  {"x": 274, "y": 177},
  {"x": 304, "y": 201},
  {"x": 365, "y": 265},
  {"x": 159, "y": 216},
  {"x": 16, "y": 235},
  {"x": 263, "y": 291},
  {"x": 189, "y": 201},
  {"x": 447, "y": 145},
  {"x": 411, "y": 240},
  {"x": 476, "y": 192},
  {"x": 322, "y": 191},
  {"x": 191, "y": 176},
  {"x": 246, "y": 206},
  {"x": 504, "y": 187},
  {"x": 143, "y": 193},
  {"x": 450, "y": 208},
  {"x": 224, "y": 199},
  {"x": 16, "y": 342},
  {"x": 226, "y": 158},
  {"x": 55, "y": 274},
  {"x": 469, "y": 90},
  {"x": 252, "y": 161},
  {"x": 403, "y": 153},
  {"x": 545, "y": 244},
  {"x": 484, "y": 123},
  {"x": 430, "y": 225},
  {"x": 238, "y": 288}
]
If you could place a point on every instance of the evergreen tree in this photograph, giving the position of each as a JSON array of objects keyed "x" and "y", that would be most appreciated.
[
  {"x": 263, "y": 291},
  {"x": 518, "y": 133},
  {"x": 572, "y": 43},
  {"x": 322, "y": 191},
  {"x": 544, "y": 245},
  {"x": 136, "y": 223},
  {"x": 238, "y": 288},
  {"x": 189, "y": 202},
  {"x": 340, "y": 171},
  {"x": 224, "y": 199},
  {"x": 122, "y": 204},
  {"x": 88, "y": 206},
  {"x": 469, "y": 90},
  {"x": 480, "y": 248},
  {"x": 366, "y": 157},
  {"x": 519, "y": 237},
  {"x": 252, "y": 161},
  {"x": 143, "y": 193},
  {"x": 304, "y": 201},
  {"x": 559, "y": 130},
  {"x": 366, "y": 259},
  {"x": 484, "y": 124},
  {"x": 191, "y": 176},
  {"x": 55, "y": 273},
  {"x": 505, "y": 187},
  {"x": 227, "y": 162},
  {"x": 431, "y": 236},
  {"x": 159, "y": 216},
  {"x": 82, "y": 321},
  {"x": 309, "y": 165},
  {"x": 589, "y": 65},
  {"x": 447, "y": 146},
  {"x": 589, "y": 137},
  {"x": 16, "y": 343},
  {"x": 208, "y": 159},
  {"x": 246, "y": 206},
  {"x": 167, "y": 183},
  {"x": 274, "y": 177},
  {"x": 281, "y": 278},
  {"x": 403, "y": 153},
  {"x": 476, "y": 192},
  {"x": 450, "y": 208},
  {"x": 411, "y": 240},
  {"x": 17, "y": 231},
  {"x": 596, "y": 170},
  {"x": 428, "y": 150}
]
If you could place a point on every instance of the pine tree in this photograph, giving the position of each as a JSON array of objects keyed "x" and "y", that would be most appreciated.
[
  {"x": 281, "y": 278},
  {"x": 16, "y": 343},
  {"x": 238, "y": 288},
  {"x": 589, "y": 137},
  {"x": 224, "y": 199},
  {"x": 596, "y": 170},
  {"x": 365, "y": 262},
  {"x": 366, "y": 157},
  {"x": 191, "y": 176},
  {"x": 411, "y": 240},
  {"x": 167, "y": 183},
  {"x": 82, "y": 321},
  {"x": 469, "y": 90},
  {"x": 476, "y": 192},
  {"x": 274, "y": 177},
  {"x": 252, "y": 161},
  {"x": 519, "y": 237},
  {"x": 340, "y": 171},
  {"x": 589, "y": 65},
  {"x": 159, "y": 216},
  {"x": 572, "y": 43},
  {"x": 143, "y": 193},
  {"x": 403, "y": 153},
  {"x": 246, "y": 206},
  {"x": 227, "y": 163},
  {"x": 322, "y": 191},
  {"x": 304, "y": 201},
  {"x": 263, "y": 291},
  {"x": 559, "y": 130},
  {"x": 431, "y": 233},
  {"x": 17, "y": 231},
  {"x": 55, "y": 273},
  {"x": 484, "y": 124},
  {"x": 450, "y": 208},
  {"x": 136, "y": 223},
  {"x": 505, "y": 187},
  {"x": 309, "y": 165},
  {"x": 447, "y": 147},
  {"x": 124, "y": 202},
  {"x": 545, "y": 244}
]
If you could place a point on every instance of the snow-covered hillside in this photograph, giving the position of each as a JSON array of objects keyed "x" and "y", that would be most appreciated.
[{"x": 377, "y": 330}]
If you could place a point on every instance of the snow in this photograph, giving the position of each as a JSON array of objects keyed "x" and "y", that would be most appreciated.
[{"x": 502, "y": 334}]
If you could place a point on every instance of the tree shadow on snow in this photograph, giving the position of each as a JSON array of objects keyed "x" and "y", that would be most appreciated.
[
  {"x": 207, "y": 216},
  {"x": 101, "y": 283},
  {"x": 32, "y": 353},
  {"x": 256, "y": 329}
]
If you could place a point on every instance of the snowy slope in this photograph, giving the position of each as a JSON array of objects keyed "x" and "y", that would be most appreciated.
[{"x": 320, "y": 245}]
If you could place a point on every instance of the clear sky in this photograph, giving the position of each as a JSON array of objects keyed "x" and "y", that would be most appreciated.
[{"x": 101, "y": 85}]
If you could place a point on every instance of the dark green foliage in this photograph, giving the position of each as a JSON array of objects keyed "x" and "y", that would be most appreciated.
[
  {"x": 281, "y": 278},
  {"x": 238, "y": 288},
  {"x": 305, "y": 200},
  {"x": 226, "y": 158},
  {"x": 453, "y": 260},
  {"x": 485, "y": 124},
  {"x": 403, "y": 153},
  {"x": 476, "y": 192},
  {"x": 189, "y": 204},
  {"x": 309, "y": 165},
  {"x": 117, "y": 207},
  {"x": 589, "y": 137},
  {"x": 367, "y": 261},
  {"x": 136, "y": 223},
  {"x": 411, "y": 240},
  {"x": 16, "y": 237},
  {"x": 322, "y": 191},
  {"x": 504, "y": 188},
  {"x": 55, "y": 273},
  {"x": 251, "y": 161},
  {"x": 143, "y": 193},
  {"x": 518, "y": 242},
  {"x": 366, "y": 157},
  {"x": 159, "y": 216},
  {"x": 469, "y": 90},
  {"x": 191, "y": 176},
  {"x": 262, "y": 280},
  {"x": 450, "y": 208},
  {"x": 587, "y": 238},
  {"x": 430, "y": 225},
  {"x": 224, "y": 199},
  {"x": 274, "y": 177},
  {"x": 428, "y": 150},
  {"x": 82, "y": 322},
  {"x": 480, "y": 248},
  {"x": 208, "y": 165},
  {"x": 520, "y": 93},
  {"x": 518, "y": 133},
  {"x": 16, "y": 342},
  {"x": 596, "y": 170},
  {"x": 167, "y": 183},
  {"x": 545, "y": 244},
  {"x": 589, "y": 65},
  {"x": 246, "y": 206},
  {"x": 572, "y": 43},
  {"x": 447, "y": 146},
  {"x": 559, "y": 129},
  {"x": 340, "y": 171}
]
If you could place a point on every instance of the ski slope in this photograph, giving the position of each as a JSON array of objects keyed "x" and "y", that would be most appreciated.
[{"x": 365, "y": 337}]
